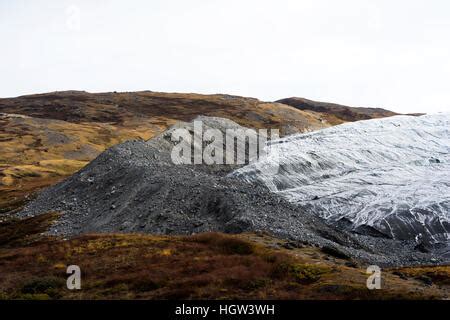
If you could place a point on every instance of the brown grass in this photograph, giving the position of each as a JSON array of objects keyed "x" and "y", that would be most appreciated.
[
  {"x": 51, "y": 136},
  {"x": 61, "y": 132},
  {"x": 204, "y": 266},
  {"x": 439, "y": 275},
  {"x": 16, "y": 232}
]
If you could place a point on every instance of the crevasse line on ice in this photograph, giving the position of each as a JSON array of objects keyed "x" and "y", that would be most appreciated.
[{"x": 390, "y": 175}]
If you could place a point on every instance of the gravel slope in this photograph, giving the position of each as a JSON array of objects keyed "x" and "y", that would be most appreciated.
[{"x": 134, "y": 187}]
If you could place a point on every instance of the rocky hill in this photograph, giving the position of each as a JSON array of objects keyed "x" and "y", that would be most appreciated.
[
  {"x": 142, "y": 111},
  {"x": 135, "y": 187},
  {"x": 46, "y": 137},
  {"x": 336, "y": 113}
]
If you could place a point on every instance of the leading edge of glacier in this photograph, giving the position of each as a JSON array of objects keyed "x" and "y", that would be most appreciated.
[{"x": 385, "y": 177}]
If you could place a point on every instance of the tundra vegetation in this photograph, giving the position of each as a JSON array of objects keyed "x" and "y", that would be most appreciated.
[
  {"x": 202, "y": 266},
  {"x": 46, "y": 138}
]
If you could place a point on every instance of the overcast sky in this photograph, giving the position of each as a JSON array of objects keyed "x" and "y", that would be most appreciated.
[{"x": 393, "y": 54}]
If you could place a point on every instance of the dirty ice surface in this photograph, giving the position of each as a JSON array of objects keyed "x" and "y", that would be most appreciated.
[{"x": 384, "y": 177}]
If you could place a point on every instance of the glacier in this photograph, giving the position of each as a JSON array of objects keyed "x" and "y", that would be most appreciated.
[{"x": 385, "y": 177}]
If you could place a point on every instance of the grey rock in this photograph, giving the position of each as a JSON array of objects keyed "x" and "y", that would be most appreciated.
[{"x": 135, "y": 187}]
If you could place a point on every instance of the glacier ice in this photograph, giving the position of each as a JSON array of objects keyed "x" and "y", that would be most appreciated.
[{"x": 385, "y": 177}]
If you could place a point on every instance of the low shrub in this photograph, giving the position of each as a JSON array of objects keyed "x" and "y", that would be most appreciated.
[
  {"x": 302, "y": 273},
  {"x": 45, "y": 285},
  {"x": 225, "y": 243}
]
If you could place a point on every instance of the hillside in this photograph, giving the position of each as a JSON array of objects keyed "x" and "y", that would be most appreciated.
[
  {"x": 47, "y": 137},
  {"x": 204, "y": 266},
  {"x": 336, "y": 113},
  {"x": 133, "y": 189},
  {"x": 141, "y": 110}
]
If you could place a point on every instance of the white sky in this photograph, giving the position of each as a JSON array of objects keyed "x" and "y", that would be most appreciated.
[{"x": 393, "y": 54}]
